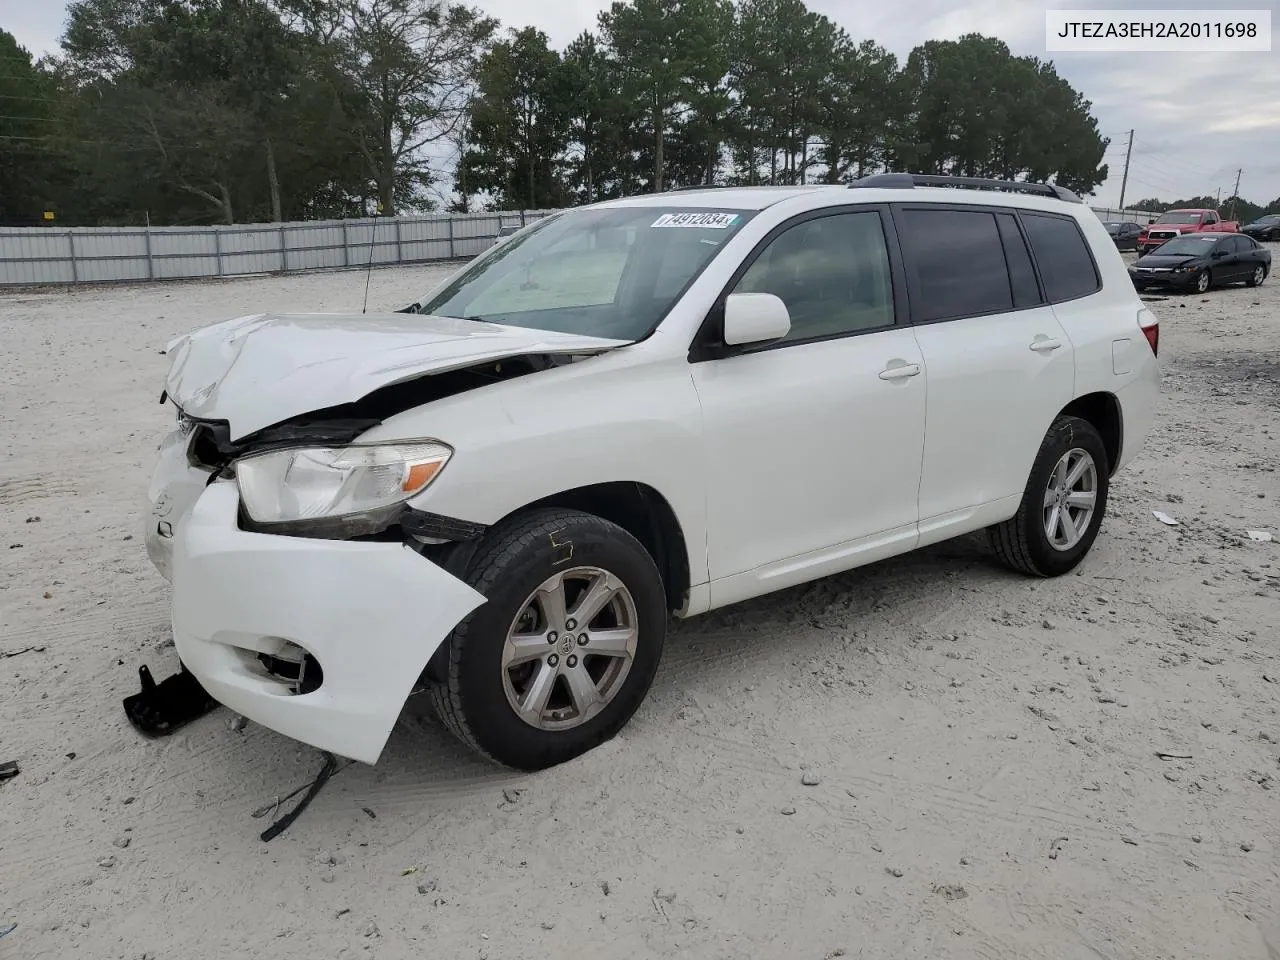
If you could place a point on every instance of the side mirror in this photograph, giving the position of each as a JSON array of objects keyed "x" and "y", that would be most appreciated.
[
  {"x": 754, "y": 318},
  {"x": 1218, "y": 254}
]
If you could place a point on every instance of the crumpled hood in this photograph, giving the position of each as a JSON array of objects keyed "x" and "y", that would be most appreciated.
[{"x": 258, "y": 370}]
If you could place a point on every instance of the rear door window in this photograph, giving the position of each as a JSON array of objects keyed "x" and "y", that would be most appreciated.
[
  {"x": 958, "y": 263},
  {"x": 1062, "y": 254}
]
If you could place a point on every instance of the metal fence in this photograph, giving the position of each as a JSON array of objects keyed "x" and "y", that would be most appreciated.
[
  {"x": 46, "y": 255},
  {"x": 1133, "y": 216}
]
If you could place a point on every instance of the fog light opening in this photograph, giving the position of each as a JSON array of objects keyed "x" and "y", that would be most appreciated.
[{"x": 299, "y": 670}]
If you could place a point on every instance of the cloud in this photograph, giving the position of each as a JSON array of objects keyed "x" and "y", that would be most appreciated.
[{"x": 1197, "y": 117}]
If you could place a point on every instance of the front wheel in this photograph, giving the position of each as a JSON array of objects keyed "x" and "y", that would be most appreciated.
[
  {"x": 564, "y": 649},
  {"x": 1062, "y": 506},
  {"x": 1259, "y": 274},
  {"x": 1203, "y": 282}
]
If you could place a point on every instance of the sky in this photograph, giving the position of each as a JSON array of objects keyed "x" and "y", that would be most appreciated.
[{"x": 1197, "y": 117}]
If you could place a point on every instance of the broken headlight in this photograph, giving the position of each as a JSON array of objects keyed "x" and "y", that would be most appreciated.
[{"x": 317, "y": 483}]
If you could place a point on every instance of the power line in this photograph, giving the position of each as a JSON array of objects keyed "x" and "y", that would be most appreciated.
[
  {"x": 1154, "y": 186},
  {"x": 1177, "y": 168}
]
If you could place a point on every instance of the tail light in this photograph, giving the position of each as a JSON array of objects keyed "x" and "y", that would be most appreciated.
[{"x": 1150, "y": 329}]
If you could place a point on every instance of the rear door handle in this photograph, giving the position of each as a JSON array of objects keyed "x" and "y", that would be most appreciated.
[
  {"x": 1045, "y": 345},
  {"x": 900, "y": 372}
]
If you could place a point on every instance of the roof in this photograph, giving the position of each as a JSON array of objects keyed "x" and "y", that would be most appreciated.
[
  {"x": 759, "y": 198},
  {"x": 733, "y": 198}
]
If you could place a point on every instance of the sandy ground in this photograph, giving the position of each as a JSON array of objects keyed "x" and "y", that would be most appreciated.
[{"x": 985, "y": 745}]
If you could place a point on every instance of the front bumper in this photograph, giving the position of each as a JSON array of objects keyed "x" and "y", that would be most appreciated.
[
  {"x": 1169, "y": 280},
  {"x": 175, "y": 486},
  {"x": 370, "y": 614}
]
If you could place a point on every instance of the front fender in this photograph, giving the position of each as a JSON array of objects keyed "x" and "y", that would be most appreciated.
[{"x": 605, "y": 420}]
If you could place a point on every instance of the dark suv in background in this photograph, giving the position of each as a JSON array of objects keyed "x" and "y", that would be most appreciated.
[
  {"x": 1264, "y": 228},
  {"x": 1124, "y": 234}
]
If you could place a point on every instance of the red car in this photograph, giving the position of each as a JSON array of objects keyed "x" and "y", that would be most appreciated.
[{"x": 1174, "y": 223}]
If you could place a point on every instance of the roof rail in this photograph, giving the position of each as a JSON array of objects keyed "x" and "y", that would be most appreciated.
[
  {"x": 907, "y": 181},
  {"x": 698, "y": 186}
]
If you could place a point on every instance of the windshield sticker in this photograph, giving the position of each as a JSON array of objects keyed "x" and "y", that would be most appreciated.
[{"x": 710, "y": 221}]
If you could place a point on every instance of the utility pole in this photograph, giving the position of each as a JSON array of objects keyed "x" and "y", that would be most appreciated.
[
  {"x": 1124, "y": 181},
  {"x": 1235, "y": 195}
]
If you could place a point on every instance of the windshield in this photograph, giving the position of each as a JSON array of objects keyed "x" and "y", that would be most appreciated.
[
  {"x": 1186, "y": 247},
  {"x": 1179, "y": 217},
  {"x": 1269, "y": 218},
  {"x": 600, "y": 272},
  {"x": 1112, "y": 227}
]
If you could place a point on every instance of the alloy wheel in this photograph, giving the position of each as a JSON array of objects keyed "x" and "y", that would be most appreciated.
[
  {"x": 1070, "y": 499},
  {"x": 570, "y": 648}
]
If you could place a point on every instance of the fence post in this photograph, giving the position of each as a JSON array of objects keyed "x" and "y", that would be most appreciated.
[
  {"x": 346, "y": 246},
  {"x": 71, "y": 246},
  {"x": 522, "y": 224},
  {"x": 217, "y": 248},
  {"x": 452, "y": 255},
  {"x": 151, "y": 265},
  {"x": 399, "y": 250},
  {"x": 284, "y": 253}
]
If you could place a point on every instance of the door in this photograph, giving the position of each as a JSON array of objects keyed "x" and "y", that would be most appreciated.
[
  {"x": 998, "y": 362},
  {"x": 814, "y": 440},
  {"x": 1237, "y": 265}
]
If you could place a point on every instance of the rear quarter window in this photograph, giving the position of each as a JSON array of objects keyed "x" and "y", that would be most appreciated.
[{"x": 1062, "y": 254}]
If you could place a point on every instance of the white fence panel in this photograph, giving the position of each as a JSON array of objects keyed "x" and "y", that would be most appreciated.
[
  {"x": 38, "y": 255},
  {"x": 1115, "y": 213}
]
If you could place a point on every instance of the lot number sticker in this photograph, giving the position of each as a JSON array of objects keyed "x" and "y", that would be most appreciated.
[{"x": 712, "y": 221}]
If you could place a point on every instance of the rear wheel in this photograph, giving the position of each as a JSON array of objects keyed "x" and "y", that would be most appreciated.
[
  {"x": 565, "y": 648},
  {"x": 1062, "y": 506},
  {"x": 1259, "y": 274}
]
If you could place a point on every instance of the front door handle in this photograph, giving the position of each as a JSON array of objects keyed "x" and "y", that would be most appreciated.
[
  {"x": 900, "y": 372},
  {"x": 1045, "y": 345}
]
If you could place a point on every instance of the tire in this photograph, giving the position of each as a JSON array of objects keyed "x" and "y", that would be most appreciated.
[
  {"x": 477, "y": 697},
  {"x": 1204, "y": 281},
  {"x": 1022, "y": 542},
  {"x": 1255, "y": 279}
]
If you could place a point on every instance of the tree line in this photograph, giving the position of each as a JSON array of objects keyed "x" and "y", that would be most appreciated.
[{"x": 206, "y": 111}]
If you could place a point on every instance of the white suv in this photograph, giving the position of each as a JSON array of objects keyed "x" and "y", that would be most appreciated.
[{"x": 662, "y": 404}]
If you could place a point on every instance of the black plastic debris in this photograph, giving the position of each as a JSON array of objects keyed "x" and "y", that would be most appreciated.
[
  {"x": 280, "y": 826},
  {"x": 161, "y": 708},
  {"x": 8, "y": 769}
]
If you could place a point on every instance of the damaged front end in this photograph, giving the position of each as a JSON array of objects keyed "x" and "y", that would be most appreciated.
[{"x": 202, "y": 453}]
